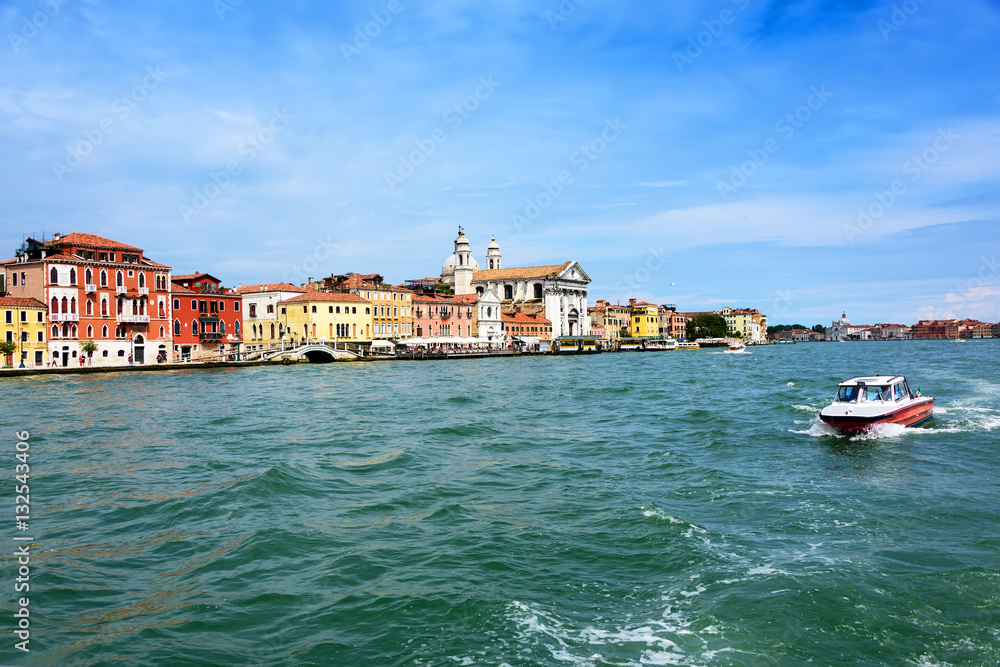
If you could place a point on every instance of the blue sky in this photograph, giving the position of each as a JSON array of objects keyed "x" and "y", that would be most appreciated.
[{"x": 729, "y": 147}]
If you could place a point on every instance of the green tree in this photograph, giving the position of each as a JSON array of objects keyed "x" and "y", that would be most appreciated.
[
  {"x": 8, "y": 348},
  {"x": 88, "y": 347},
  {"x": 819, "y": 328},
  {"x": 706, "y": 326}
]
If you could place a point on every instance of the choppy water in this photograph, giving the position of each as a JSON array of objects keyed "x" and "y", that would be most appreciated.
[{"x": 661, "y": 508}]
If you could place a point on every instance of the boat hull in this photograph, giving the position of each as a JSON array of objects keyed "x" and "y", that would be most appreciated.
[{"x": 911, "y": 414}]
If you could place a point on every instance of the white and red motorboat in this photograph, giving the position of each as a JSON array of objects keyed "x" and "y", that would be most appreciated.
[{"x": 863, "y": 402}]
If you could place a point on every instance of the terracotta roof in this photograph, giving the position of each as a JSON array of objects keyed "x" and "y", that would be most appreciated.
[
  {"x": 522, "y": 272},
  {"x": 180, "y": 289},
  {"x": 20, "y": 302},
  {"x": 524, "y": 318},
  {"x": 192, "y": 276},
  {"x": 326, "y": 296},
  {"x": 269, "y": 287},
  {"x": 78, "y": 238},
  {"x": 643, "y": 303},
  {"x": 155, "y": 265},
  {"x": 446, "y": 298}
]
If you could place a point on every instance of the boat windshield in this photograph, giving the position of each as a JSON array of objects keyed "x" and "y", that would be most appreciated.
[
  {"x": 848, "y": 395},
  {"x": 873, "y": 393}
]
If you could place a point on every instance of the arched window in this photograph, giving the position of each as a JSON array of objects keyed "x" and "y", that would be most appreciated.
[
  {"x": 90, "y": 307},
  {"x": 55, "y": 331},
  {"x": 194, "y": 327},
  {"x": 331, "y": 329},
  {"x": 55, "y": 305},
  {"x": 104, "y": 307},
  {"x": 72, "y": 305},
  {"x": 368, "y": 311},
  {"x": 74, "y": 331},
  {"x": 90, "y": 277},
  {"x": 305, "y": 330},
  {"x": 162, "y": 331},
  {"x": 177, "y": 304},
  {"x": 142, "y": 279},
  {"x": 65, "y": 304},
  {"x": 90, "y": 331},
  {"x": 72, "y": 276},
  {"x": 338, "y": 310},
  {"x": 163, "y": 309},
  {"x": 142, "y": 306},
  {"x": 119, "y": 279},
  {"x": 222, "y": 326},
  {"x": 53, "y": 276},
  {"x": 104, "y": 278},
  {"x": 489, "y": 312},
  {"x": 272, "y": 329},
  {"x": 236, "y": 327},
  {"x": 177, "y": 327},
  {"x": 354, "y": 310},
  {"x": 104, "y": 331}
]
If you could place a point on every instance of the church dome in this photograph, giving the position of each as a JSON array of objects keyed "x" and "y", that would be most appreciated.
[
  {"x": 844, "y": 322},
  {"x": 494, "y": 245},
  {"x": 448, "y": 269}
]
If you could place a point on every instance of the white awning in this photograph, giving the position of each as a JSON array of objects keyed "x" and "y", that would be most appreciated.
[{"x": 383, "y": 343}]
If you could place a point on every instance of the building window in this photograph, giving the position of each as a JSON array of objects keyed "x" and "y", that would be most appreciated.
[
  {"x": 236, "y": 327},
  {"x": 194, "y": 327},
  {"x": 177, "y": 327},
  {"x": 104, "y": 278},
  {"x": 508, "y": 292},
  {"x": 313, "y": 309},
  {"x": 72, "y": 277},
  {"x": 119, "y": 279},
  {"x": 253, "y": 310},
  {"x": 270, "y": 309},
  {"x": 53, "y": 276},
  {"x": 90, "y": 331},
  {"x": 177, "y": 304},
  {"x": 104, "y": 333},
  {"x": 222, "y": 305},
  {"x": 142, "y": 279},
  {"x": 236, "y": 306}
]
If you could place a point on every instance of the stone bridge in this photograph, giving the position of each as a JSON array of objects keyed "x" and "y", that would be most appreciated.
[{"x": 316, "y": 353}]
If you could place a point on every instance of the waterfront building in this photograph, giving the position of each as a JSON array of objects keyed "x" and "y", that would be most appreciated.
[
  {"x": 967, "y": 327},
  {"x": 995, "y": 330},
  {"x": 889, "y": 331},
  {"x": 23, "y": 322},
  {"x": 391, "y": 305},
  {"x": 208, "y": 319},
  {"x": 529, "y": 329},
  {"x": 935, "y": 329},
  {"x": 95, "y": 289},
  {"x": 645, "y": 319},
  {"x": 837, "y": 330},
  {"x": 672, "y": 323},
  {"x": 557, "y": 292},
  {"x": 982, "y": 330},
  {"x": 336, "y": 317},
  {"x": 489, "y": 324},
  {"x": 262, "y": 325},
  {"x": 445, "y": 316},
  {"x": 748, "y": 323}
]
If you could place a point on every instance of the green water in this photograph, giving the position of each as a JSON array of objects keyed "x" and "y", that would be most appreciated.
[{"x": 658, "y": 508}]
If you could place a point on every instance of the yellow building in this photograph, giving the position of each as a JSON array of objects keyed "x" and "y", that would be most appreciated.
[
  {"x": 327, "y": 316},
  {"x": 23, "y": 322},
  {"x": 645, "y": 319},
  {"x": 749, "y": 323},
  {"x": 262, "y": 326},
  {"x": 392, "y": 310}
]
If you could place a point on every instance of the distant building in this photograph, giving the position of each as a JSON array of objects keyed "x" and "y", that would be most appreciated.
[
  {"x": 645, "y": 319},
  {"x": 262, "y": 325},
  {"x": 23, "y": 322},
  {"x": 885, "y": 331},
  {"x": 444, "y": 315},
  {"x": 672, "y": 323},
  {"x": 526, "y": 329},
  {"x": 207, "y": 319},
  {"x": 935, "y": 329},
  {"x": 391, "y": 305},
  {"x": 339, "y": 317},
  {"x": 557, "y": 292},
  {"x": 95, "y": 289},
  {"x": 839, "y": 329},
  {"x": 749, "y": 323}
]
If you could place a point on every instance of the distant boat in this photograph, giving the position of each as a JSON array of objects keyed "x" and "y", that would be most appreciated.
[
  {"x": 660, "y": 345},
  {"x": 736, "y": 348},
  {"x": 688, "y": 345},
  {"x": 864, "y": 402},
  {"x": 959, "y": 340}
]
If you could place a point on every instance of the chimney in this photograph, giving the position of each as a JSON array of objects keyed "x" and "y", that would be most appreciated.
[
  {"x": 631, "y": 302},
  {"x": 310, "y": 280},
  {"x": 55, "y": 237}
]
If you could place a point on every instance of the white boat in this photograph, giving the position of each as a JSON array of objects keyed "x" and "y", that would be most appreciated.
[
  {"x": 661, "y": 344},
  {"x": 688, "y": 345},
  {"x": 959, "y": 340},
  {"x": 736, "y": 348},
  {"x": 863, "y": 402}
]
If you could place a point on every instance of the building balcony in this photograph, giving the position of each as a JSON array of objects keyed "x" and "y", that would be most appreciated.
[
  {"x": 144, "y": 291},
  {"x": 133, "y": 319},
  {"x": 64, "y": 317},
  {"x": 90, "y": 288},
  {"x": 210, "y": 337},
  {"x": 121, "y": 289}
]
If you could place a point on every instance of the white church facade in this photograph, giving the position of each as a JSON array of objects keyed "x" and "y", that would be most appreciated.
[{"x": 558, "y": 292}]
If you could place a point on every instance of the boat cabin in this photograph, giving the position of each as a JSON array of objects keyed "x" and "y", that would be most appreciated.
[{"x": 879, "y": 388}]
